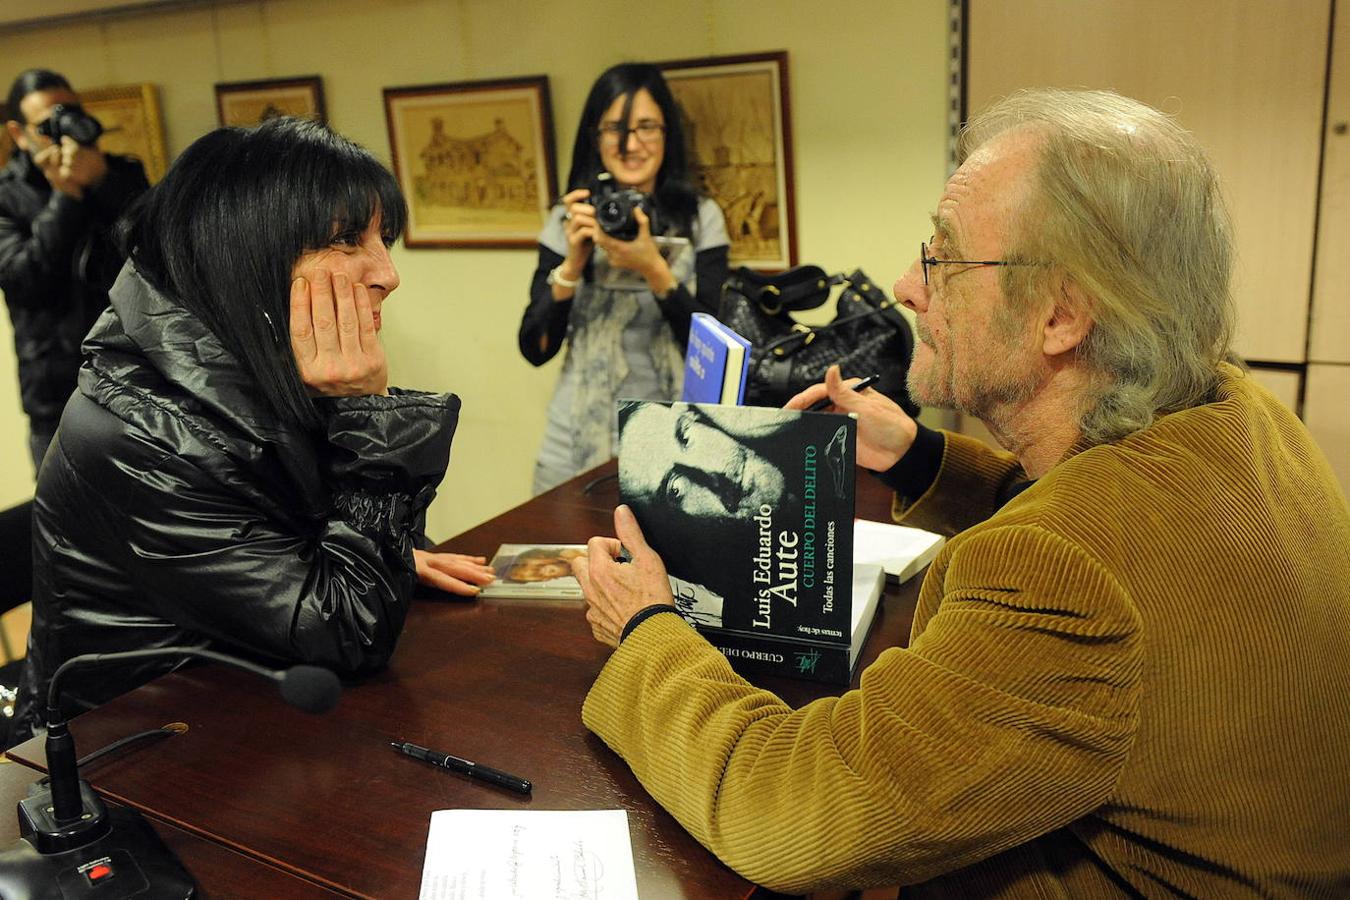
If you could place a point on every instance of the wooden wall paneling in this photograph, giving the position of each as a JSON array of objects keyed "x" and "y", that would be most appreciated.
[
  {"x": 1327, "y": 414},
  {"x": 1329, "y": 340},
  {"x": 1283, "y": 383},
  {"x": 1246, "y": 77}
]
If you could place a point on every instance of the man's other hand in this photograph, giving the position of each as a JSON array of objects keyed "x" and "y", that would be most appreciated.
[
  {"x": 885, "y": 431},
  {"x": 615, "y": 590}
]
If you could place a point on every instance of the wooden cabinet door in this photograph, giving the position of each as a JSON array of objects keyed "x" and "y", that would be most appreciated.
[
  {"x": 1330, "y": 338},
  {"x": 1326, "y": 410},
  {"x": 1246, "y": 77}
]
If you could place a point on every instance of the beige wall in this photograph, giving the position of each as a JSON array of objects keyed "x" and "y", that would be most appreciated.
[{"x": 867, "y": 91}]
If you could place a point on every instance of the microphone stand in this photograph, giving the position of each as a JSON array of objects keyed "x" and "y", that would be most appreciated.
[{"x": 71, "y": 843}]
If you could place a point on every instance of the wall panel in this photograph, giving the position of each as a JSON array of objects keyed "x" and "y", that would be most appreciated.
[{"x": 1245, "y": 77}]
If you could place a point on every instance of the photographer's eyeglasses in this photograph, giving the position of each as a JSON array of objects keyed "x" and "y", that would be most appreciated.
[
  {"x": 927, "y": 260},
  {"x": 647, "y": 131}
]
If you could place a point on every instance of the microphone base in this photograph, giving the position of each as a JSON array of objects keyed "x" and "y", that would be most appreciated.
[
  {"x": 141, "y": 865},
  {"x": 38, "y": 823}
]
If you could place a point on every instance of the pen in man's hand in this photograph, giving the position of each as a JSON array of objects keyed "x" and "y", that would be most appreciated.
[
  {"x": 824, "y": 402},
  {"x": 464, "y": 767}
]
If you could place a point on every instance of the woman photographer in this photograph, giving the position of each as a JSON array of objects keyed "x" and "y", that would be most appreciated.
[
  {"x": 623, "y": 306},
  {"x": 234, "y": 471}
]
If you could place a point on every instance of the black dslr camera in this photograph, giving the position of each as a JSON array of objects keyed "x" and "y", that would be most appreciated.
[
  {"x": 71, "y": 119},
  {"x": 614, "y": 207}
]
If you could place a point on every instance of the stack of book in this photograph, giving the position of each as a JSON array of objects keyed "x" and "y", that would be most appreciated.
[{"x": 751, "y": 509}]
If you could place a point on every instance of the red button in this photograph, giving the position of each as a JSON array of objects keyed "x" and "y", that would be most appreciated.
[{"x": 99, "y": 872}]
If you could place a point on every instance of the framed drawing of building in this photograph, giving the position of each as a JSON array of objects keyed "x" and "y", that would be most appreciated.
[
  {"x": 474, "y": 159},
  {"x": 740, "y": 134},
  {"x": 247, "y": 103},
  {"x": 131, "y": 124}
]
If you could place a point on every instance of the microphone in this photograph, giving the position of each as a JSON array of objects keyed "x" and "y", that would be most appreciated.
[
  {"x": 310, "y": 688},
  {"x": 68, "y": 837}
]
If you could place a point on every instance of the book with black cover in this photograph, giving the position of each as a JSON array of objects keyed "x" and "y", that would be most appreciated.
[
  {"x": 751, "y": 508},
  {"x": 827, "y": 661}
]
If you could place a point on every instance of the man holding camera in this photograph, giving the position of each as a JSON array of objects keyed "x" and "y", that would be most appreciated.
[{"x": 59, "y": 197}]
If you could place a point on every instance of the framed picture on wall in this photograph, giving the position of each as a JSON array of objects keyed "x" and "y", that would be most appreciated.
[
  {"x": 131, "y": 124},
  {"x": 740, "y": 132},
  {"x": 247, "y": 103},
  {"x": 474, "y": 159}
]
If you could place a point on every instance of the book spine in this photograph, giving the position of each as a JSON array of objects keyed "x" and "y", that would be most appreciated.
[{"x": 753, "y": 654}]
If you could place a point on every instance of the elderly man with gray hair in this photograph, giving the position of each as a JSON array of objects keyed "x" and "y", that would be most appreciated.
[{"x": 1129, "y": 671}]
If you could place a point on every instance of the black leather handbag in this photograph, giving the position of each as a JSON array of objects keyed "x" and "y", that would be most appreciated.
[{"x": 867, "y": 336}]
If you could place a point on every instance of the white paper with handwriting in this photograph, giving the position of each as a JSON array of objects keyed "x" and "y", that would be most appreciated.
[{"x": 504, "y": 854}]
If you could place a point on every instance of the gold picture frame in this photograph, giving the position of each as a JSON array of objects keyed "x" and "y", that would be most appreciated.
[
  {"x": 132, "y": 125},
  {"x": 474, "y": 160},
  {"x": 739, "y": 128},
  {"x": 246, "y": 103}
]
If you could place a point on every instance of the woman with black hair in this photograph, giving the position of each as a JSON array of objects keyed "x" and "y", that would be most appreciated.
[
  {"x": 234, "y": 471},
  {"x": 623, "y": 306}
]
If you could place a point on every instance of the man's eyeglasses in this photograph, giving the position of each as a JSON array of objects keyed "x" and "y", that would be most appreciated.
[
  {"x": 926, "y": 260},
  {"x": 613, "y": 134}
]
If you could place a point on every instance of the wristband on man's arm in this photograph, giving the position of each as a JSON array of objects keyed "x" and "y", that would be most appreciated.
[
  {"x": 643, "y": 615},
  {"x": 915, "y": 472}
]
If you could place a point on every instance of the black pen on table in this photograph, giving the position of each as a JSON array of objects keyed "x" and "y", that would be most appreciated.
[
  {"x": 464, "y": 767},
  {"x": 825, "y": 401}
]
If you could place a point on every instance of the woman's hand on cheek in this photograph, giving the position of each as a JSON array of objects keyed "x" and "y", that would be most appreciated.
[
  {"x": 333, "y": 337},
  {"x": 453, "y": 573}
]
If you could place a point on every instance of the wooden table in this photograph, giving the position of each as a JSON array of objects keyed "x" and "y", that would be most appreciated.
[{"x": 320, "y": 804}]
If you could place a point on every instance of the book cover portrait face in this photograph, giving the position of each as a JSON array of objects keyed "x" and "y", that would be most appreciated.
[
  {"x": 680, "y": 457},
  {"x": 750, "y": 508}
]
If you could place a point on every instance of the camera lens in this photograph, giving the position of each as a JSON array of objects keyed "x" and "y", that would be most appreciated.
[
  {"x": 82, "y": 127},
  {"x": 73, "y": 121},
  {"x": 612, "y": 215}
]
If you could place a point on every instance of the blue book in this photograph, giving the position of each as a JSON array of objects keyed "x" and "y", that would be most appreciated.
[{"x": 715, "y": 363}]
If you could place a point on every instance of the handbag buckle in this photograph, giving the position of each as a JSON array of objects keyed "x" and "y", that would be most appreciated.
[
  {"x": 773, "y": 290},
  {"x": 797, "y": 328}
]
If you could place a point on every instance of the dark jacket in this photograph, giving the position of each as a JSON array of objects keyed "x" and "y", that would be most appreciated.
[
  {"x": 174, "y": 508},
  {"x": 57, "y": 262}
]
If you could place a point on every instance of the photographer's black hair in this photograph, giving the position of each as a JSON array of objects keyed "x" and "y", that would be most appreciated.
[
  {"x": 676, "y": 196},
  {"x": 223, "y": 230},
  {"x": 28, "y": 82}
]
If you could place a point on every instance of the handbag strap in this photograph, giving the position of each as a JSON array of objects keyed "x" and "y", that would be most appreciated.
[
  {"x": 803, "y": 335},
  {"x": 796, "y": 290}
]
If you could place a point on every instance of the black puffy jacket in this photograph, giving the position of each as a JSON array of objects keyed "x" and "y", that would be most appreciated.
[
  {"x": 57, "y": 262},
  {"x": 174, "y": 508}
]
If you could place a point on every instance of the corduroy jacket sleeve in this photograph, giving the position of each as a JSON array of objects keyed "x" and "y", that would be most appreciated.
[
  {"x": 1010, "y": 716},
  {"x": 973, "y": 482}
]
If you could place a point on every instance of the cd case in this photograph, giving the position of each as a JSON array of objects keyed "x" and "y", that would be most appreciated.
[{"x": 535, "y": 570}]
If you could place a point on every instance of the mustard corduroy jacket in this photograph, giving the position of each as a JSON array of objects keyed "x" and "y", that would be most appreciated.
[{"x": 1133, "y": 677}]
